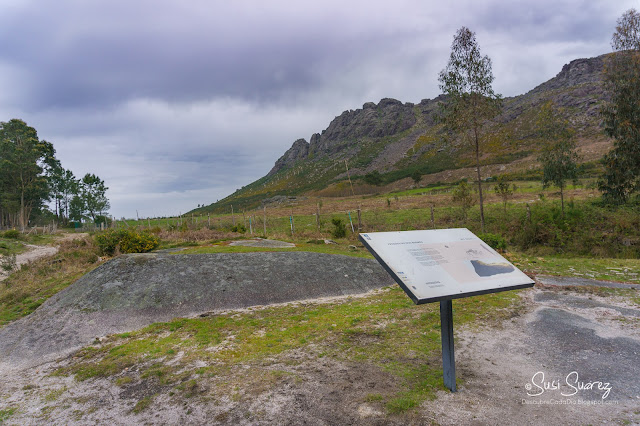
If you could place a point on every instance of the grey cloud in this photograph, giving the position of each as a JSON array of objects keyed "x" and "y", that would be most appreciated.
[
  {"x": 188, "y": 101},
  {"x": 129, "y": 55}
]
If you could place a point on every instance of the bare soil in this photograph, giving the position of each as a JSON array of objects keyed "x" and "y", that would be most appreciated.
[{"x": 559, "y": 332}]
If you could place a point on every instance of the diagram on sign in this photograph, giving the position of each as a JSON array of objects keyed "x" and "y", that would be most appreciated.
[{"x": 445, "y": 263}]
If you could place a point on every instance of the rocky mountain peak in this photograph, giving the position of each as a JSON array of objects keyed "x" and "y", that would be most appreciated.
[
  {"x": 576, "y": 72},
  {"x": 386, "y": 118},
  {"x": 298, "y": 151}
]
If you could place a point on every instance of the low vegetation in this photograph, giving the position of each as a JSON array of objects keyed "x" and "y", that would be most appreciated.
[
  {"x": 27, "y": 288},
  {"x": 243, "y": 353},
  {"x": 115, "y": 241}
]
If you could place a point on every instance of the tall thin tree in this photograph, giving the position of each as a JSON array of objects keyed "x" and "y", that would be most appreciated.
[
  {"x": 471, "y": 101},
  {"x": 622, "y": 113}
]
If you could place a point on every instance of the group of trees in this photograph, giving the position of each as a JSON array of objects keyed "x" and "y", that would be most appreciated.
[
  {"x": 471, "y": 103},
  {"x": 31, "y": 176}
]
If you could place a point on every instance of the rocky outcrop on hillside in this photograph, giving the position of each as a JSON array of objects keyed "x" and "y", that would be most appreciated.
[
  {"x": 399, "y": 138},
  {"x": 298, "y": 151},
  {"x": 578, "y": 86},
  {"x": 386, "y": 118},
  {"x": 576, "y": 72}
]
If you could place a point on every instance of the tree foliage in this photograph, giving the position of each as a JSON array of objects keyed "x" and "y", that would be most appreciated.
[
  {"x": 31, "y": 176},
  {"x": 504, "y": 190},
  {"x": 462, "y": 195},
  {"x": 416, "y": 176},
  {"x": 373, "y": 178},
  {"x": 23, "y": 163},
  {"x": 90, "y": 200},
  {"x": 471, "y": 101},
  {"x": 622, "y": 114},
  {"x": 559, "y": 157}
]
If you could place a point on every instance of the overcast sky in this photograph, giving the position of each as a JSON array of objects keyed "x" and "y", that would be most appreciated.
[{"x": 179, "y": 103}]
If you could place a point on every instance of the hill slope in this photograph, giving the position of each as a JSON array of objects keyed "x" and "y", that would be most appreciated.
[{"x": 397, "y": 139}]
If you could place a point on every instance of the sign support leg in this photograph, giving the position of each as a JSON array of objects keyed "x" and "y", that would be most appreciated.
[{"x": 448, "y": 356}]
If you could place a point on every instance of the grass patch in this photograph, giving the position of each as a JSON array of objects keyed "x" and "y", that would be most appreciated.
[
  {"x": 9, "y": 246},
  {"x": 608, "y": 269},
  {"x": 124, "y": 380},
  {"x": 6, "y": 413},
  {"x": 385, "y": 330},
  {"x": 54, "y": 394},
  {"x": 142, "y": 405},
  {"x": 26, "y": 289}
]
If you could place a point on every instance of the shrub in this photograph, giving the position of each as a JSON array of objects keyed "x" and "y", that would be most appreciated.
[
  {"x": 495, "y": 241},
  {"x": 125, "y": 241},
  {"x": 339, "y": 228},
  {"x": 12, "y": 233},
  {"x": 239, "y": 228},
  {"x": 373, "y": 178}
]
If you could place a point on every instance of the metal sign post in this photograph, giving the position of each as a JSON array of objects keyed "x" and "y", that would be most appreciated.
[
  {"x": 440, "y": 265},
  {"x": 448, "y": 356}
]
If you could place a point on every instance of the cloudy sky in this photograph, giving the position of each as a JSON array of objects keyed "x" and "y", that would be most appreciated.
[{"x": 179, "y": 103}]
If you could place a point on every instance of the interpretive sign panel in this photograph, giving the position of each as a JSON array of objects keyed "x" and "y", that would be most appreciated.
[{"x": 441, "y": 264}]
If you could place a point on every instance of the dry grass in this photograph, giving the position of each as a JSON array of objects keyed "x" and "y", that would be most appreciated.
[{"x": 26, "y": 289}]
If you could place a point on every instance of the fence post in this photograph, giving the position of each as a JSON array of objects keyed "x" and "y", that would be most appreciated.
[{"x": 433, "y": 220}]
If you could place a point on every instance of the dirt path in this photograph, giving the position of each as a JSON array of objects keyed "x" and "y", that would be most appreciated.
[{"x": 38, "y": 252}]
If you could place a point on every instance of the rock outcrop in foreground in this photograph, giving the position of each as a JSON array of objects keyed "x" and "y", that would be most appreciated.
[{"x": 132, "y": 291}]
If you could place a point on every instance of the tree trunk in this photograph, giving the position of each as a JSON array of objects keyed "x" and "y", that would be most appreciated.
[
  {"x": 22, "y": 210},
  {"x": 475, "y": 131}
]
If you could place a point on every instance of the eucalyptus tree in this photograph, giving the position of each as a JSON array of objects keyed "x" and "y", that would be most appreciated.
[
  {"x": 471, "y": 101},
  {"x": 622, "y": 114}
]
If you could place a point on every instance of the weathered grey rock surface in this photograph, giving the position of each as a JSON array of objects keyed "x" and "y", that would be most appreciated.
[
  {"x": 132, "y": 291},
  {"x": 262, "y": 242}
]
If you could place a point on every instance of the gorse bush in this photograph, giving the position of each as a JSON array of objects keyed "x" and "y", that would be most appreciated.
[
  {"x": 495, "y": 241},
  {"x": 239, "y": 228},
  {"x": 339, "y": 228},
  {"x": 12, "y": 233},
  {"x": 125, "y": 241}
]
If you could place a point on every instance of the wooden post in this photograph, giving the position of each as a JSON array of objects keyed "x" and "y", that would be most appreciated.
[
  {"x": 244, "y": 219},
  {"x": 209, "y": 220},
  {"x": 318, "y": 216},
  {"x": 348, "y": 176},
  {"x": 528, "y": 213},
  {"x": 233, "y": 218},
  {"x": 433, "y": 220},
  {"x": 359, "y": 218},
  {"x": 148, "y": 223}
]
